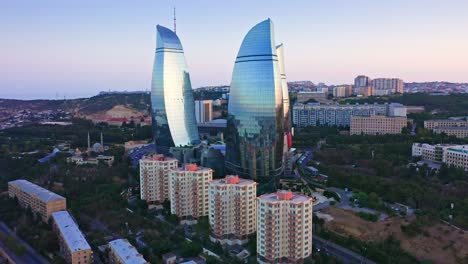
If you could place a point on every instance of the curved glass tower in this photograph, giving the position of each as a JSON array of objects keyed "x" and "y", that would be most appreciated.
[
  {"x": 171, "y": 93},
  {"x": 284, "y": 88},
  {"x": 255, "y": 127}
]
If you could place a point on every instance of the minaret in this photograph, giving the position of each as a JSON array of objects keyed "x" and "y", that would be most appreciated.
[
  {"x": 102, "y": 143},
  {"x": 89, "y": 142},
  {"x": 174, "y": 21}
]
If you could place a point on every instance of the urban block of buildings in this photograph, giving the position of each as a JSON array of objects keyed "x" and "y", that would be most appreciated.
[
  {"x": 343, "y": 91},
  {"x": 314, "y": 114},
  {"x": 40, "y": 200},
  {"x": 122, "y": 252},
  {"x": 451, "y": 127},
  {"x": 284, "y": 227},
  {"x": 377, "y": 125},
  {"x": 155, "y": 177},
  {"x": 233, "y": 209},
  {"x": 365, "y": 86},
  {"x": 189, "y": 192},
  {"x": 73, "y": 246},
  {"x": 450, "y": 154}
]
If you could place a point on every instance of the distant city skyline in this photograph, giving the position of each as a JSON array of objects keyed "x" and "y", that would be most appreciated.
[{"x": 76, "y": 49}]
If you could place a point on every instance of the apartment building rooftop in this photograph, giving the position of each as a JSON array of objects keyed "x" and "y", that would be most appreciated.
[
  {"x": 283, "y": 195},
  {"x": 157, "y": 157},
  {"x": 447, "y": 120},
  {"x": 232, "y": 179},
  {"x": 70, "y": 231},
  {"x": 31, "y": 188},
  {"x": 460, "y": 148},
  {"x": 192, "y": 167},
  {"x": 127, "y": 252}
]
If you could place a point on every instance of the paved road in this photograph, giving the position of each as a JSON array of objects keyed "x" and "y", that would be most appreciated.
[
  {"x": 31, "y": 256},
  {"x": 343, "y": 254}
]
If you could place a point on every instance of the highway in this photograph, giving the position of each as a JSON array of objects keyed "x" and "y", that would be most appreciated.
[
  {"x": 30, "y": 257},
  {"x": 342, "y": 254}
]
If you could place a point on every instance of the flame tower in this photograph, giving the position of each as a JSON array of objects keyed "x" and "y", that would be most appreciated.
[
  {"x": 172, "y": 101},
  {"x": 255, "y": 125}
]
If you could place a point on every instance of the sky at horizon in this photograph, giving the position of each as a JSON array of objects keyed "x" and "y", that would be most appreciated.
[{"x": 76, "y": 48}]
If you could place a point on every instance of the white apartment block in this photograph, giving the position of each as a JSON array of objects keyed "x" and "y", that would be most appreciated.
[
  {"x": 122, "y": 252},
  {"x": 73, "y": 245},
  {"x": 155, "y": 177},
  {"x": 189, "y": 192},
  {"x": 284, "y": 227},
  {"x": 233, "y": 209},
  {"x": 457, "y": 156}
]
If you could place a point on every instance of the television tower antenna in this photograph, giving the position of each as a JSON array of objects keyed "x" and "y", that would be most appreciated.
[{"x": 174, "y": 19}]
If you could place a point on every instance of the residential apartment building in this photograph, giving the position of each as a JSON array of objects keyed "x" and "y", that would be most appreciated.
[
  {"x": 320, "y": 94},
  {"x": 233, "y": 209},
  {"x": 387, "y": 86},
  {"x": 314, "y": 114},
  {"x": 457, "y": 156},
  {"x": 73, "y": 246},
  {"x": 204, "y": 111},
  {"x": 284, "y": 227},
  {"x": 342, "y": 91},
  {"x": 122, "y": 252},
  {"x": 450, "y": 154},
  {"x": 189, "y": 192},
  {"x": 430, "y": 152},
  {"x": 155, "y": 177},
  {"x": 40, "y": 200},
  {"x": 377, "y": 125},
  {"x": 435, "y": 123},
  {"x": 459, "y": 132}
]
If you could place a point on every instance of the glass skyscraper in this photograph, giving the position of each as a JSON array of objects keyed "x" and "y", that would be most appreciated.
[
  {"x": 255, "y": 125},
  {"x": 171, "y": 93}
]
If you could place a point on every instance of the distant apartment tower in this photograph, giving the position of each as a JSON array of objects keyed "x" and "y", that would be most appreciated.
[
  {"x": 204, "y": 111},
  {"x": 434, "y": 123},
  {"x": 155, "y": 177},
  {"x": 233, "y": 208},
  {"x": 284, "y": 227},
  {"x": 40, "y": 200},
  {"x": 190, "y": 192},
  {"x": 363, "y": 86},
  {"x": 387, "y": 86},
  {"x": 342, "y": 91},
  {"x": 377, "y": 125},
  {"x": 122, "y": 252},
  {"x": 73, "y": 245}
]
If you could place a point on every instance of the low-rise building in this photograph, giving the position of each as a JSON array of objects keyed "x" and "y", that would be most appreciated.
[
  {"x": 73, "y": 246},
  {"x": 233, "y": 210},
  {"x": 122, "y": 252},
  {"x": 154, "y": 177},
  {"x": 377, "y": 125},
  {"x": 457, "y": 156},
  {"x": 189, "y": 192},
  {"x": 435, "y": 123},
  {"x": 40, "y": 200},
  {"x": 284, "y": 227},
  {"x": 459, "y": 132}
]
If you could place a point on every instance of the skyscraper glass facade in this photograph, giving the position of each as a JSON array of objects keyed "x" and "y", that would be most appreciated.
[
  {"x": 171, "y": 93},
  {"x": 255, "y": 125}
]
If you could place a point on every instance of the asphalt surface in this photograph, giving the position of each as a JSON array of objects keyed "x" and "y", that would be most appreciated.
[
  {"x": 30, "y": 257},
  {"x": 342, "y": 254}
]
